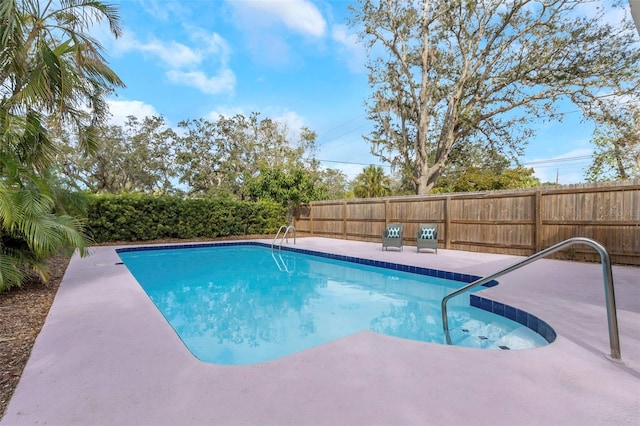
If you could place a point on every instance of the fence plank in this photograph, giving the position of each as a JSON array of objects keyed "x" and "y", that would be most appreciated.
[{"x": 519, "y": 222}]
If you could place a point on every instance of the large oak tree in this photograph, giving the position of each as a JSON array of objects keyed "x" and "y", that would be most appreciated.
[{"x": 448, "y": 72}]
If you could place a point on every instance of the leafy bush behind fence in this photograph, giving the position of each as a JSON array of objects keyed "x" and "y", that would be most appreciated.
[{"x": 140, "y": 217}]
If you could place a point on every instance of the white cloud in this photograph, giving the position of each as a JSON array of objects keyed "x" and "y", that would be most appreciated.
[
  {"x": 300, "y": 16},
  {"x": 226, "y": 112},
  {"x": 164, "y": 10},
  {"x": 185, "y": 63},
  {"x": 212, "y": 43},
  {"x": 291, "y": 119},
  {"x": 224, "y": 82},
  {"x": 350, "y": 48},
  {"x": 170, "y": 53},
  {"x": 279, "y": 33},
  {"x": 120, "y": 110}
]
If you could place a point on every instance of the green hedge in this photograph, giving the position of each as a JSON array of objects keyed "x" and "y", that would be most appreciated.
[{"x": 140, "y": 217}]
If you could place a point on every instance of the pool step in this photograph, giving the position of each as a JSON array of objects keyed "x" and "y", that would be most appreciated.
[
  {"x": 522, "y": 338},
  {"x": 496, "y": 335}
]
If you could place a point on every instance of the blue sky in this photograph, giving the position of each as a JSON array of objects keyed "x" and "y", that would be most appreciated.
[{"x": 291, "y": 60}]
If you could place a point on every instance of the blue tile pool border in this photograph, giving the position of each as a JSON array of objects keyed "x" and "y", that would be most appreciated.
[
  {"x": 514, "y": 314},
  {"x": 518, "y": 315},
  {"x": 455, "y": 276}
]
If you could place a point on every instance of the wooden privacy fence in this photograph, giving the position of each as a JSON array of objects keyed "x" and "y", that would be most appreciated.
[{"x": 519, "y": 222}]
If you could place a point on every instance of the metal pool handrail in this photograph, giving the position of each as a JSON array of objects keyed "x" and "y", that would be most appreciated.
[
  {"x": 607, "y": 277},
  {"x": 286, "y": 231}
]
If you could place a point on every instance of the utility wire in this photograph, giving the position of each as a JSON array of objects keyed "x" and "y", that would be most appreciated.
[
  {"x": 558, "y": 160},
  {"x": 324, "y": 143},
  {"x": 353, "y": 162},
  {"x": 537, "y": 163},
  {"x": 341, "y": 125},
  {"x": 334, "y": 138}
]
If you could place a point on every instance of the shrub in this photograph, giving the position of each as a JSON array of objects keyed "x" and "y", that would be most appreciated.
[{"x": 140, "y": 217}]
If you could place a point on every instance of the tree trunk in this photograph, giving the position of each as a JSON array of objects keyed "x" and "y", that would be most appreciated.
[{"x": 622, "y": 173}]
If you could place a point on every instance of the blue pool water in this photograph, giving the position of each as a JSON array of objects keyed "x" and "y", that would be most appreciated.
[{"x": 243, "y": 304}]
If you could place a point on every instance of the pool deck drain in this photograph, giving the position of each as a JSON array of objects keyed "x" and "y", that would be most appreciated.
[{"x": 106, "y": 356}]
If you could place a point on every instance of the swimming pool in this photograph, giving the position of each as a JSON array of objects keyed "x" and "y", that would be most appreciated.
[{"x": 242, "y": 303}]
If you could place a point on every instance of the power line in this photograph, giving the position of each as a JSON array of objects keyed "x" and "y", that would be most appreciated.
[
  {"x": 341, "y": 125},
  {"x": 563, "y": 166},
  {"x": 334, "y": 138},
  {"x": 536, "y": 163},
  {"x": 558, "y": 160},
  {"x": 352, "y": 162},
  {"x": 366, "y": 124}
]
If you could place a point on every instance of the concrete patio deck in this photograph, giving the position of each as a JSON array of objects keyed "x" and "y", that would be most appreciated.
[{"x": 106, "y": 356}]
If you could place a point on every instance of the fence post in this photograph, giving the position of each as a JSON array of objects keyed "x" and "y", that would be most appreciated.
[
  {"x": 537, "y": 232},
  {"x": 447, "y": 222},
  {"x": 344, "y": 219},
  {"x": 387, "y": 212},
  {"x": 311, "y": 218}
]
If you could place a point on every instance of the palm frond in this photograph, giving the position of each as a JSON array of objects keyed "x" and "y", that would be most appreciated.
[
  {"x": 10, "y": 211},
  {"x": 10, "y": 272},
  {"x": 51, "y": 68}
]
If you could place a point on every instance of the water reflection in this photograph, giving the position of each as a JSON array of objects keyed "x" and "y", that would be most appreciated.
[{"x": 238, "y": 305}]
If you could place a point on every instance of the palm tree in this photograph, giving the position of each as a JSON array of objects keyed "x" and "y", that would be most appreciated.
[
  {"x": 372, "y": 182},
  {"x": 52, "y": 75}
]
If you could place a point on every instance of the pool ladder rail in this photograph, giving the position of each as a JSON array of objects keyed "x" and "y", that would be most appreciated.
[
  {"x": 607, "y": 277},
  {"x": 281, "y": 263},
  {"x": 284, "y": 236}
]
